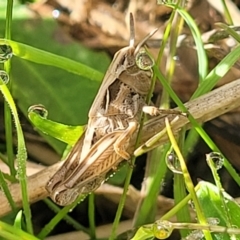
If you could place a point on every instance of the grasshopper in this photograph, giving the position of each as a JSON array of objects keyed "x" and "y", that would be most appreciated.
[{"x": 113, "y": 117}]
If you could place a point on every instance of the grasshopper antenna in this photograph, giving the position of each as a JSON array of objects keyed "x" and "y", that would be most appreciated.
[
  {"x": 144, "y": 40},
  {"x": 132, "y": 31}
]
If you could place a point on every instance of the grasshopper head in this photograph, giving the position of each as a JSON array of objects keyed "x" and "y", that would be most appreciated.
[{"x": 142, "y": 59}]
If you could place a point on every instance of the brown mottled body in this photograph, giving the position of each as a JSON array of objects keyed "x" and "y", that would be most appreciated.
[{"x": 113, "y": 118}]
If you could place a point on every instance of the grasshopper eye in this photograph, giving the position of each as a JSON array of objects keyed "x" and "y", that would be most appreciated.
[{"x": 143, "y": 60}]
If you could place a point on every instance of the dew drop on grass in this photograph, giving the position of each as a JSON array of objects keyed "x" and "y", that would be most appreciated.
[
  {"x": 162, "y": 229},
  {"x": 39, "y": 109},
  {"x": 194, "y": 235},
  {"x": 4, "y": 77},
  {"x": 173, "y": 163},
  {"x": 191, "y": 204},
  {"x": 56, "y": 13},
  {"x": 5, "y": 52},
  {"x": 177, "y": 60},
  {"x": 70, "y": 210},
  {"x": 216, "y": 158},
  {"x": 213, "y": 221}
]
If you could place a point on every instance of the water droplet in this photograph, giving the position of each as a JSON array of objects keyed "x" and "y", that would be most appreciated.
[
  {"x": 111, "y": 175},
  {"x": 213, "y": 221},
  {"x": 173, "y": 163},
  {"x": 144, "y": 60},
  {"x": 70, "y": 210},
  {"x": 161, "y": 2},
  {"x": 4, "y": 77},
  {"x": 191, "y": 204},
  {"x": 216, "y": 158},
  {"x": 39, "y": 109},
  {"x": 164, "y": 183},
  {"x": 5, "y": 52},
  {"x": 194, "y": 235},
  {"x": 162, "y": 229},
  {"x": 56, "y": 13},
  {"x": 176, "y": 58}
]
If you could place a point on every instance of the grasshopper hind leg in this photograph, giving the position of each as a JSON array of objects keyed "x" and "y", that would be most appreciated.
[{"x": 122, "y": 141}]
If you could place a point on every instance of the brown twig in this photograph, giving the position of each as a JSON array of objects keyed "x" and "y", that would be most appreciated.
[{"x": 204, "y": 108}]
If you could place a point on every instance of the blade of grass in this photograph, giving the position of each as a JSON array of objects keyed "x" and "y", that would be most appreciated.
[
  {"x": 91, "y": 215},
  {"x": 227, "y": 13},
  {"x": 122, "y": 200},
  {"x": 62, "y": 132},
  {"x": 202, "y": 57},
  {"x": 7, "y": 111},
  {"x": 21, "y": 155},
  {"x": 209, "y": 82},
  {"x": 170, "y": 64},
  {"x": 12, "y": 233},
  {"x": 196, "y": 125},
  {"x": 18, "y": 220},
  {"x": 58, "y": 217},
  {"x": 187, "y": 178},
  {"x": 178, "y": 206},
  {"x": 229, "y": 30},
  {"x": 42, "y": 57},
  {"x": 67, "y": 218},
  {"x": 154, "y": 174},
  {"x": 21, "y": 149},
  {"x": 179, "y": 187},
  {"x": 5, "y": 189},
  {"x": 211, "y": 160},
  {"x": 217, "y": 73}
]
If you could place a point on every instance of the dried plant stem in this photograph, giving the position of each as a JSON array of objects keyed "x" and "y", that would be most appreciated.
[{"x": 204, "y": 108}]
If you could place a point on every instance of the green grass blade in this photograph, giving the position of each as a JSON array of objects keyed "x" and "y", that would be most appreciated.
[
  {"x": 67, "y": 218},
  {"x": 187, "y": 179},
  {"x": 7, "y": 111},
  {"x": 13, "y": 233},
  {"x": 91, "y": 216},
  {"x": 196, "y": 125},
  {"x": 153, "y": 183},
  {"x": 217, "y": 73},
  {"x": 10, "y": 107},
  {"x": 58, "y": 217},
  {"x": 227, "y": 14},
  {"x": 62, "y": 132},
  {"x": 21, "y": 156},
  {"x": 202, "y": 57},
  {"x": 5, "y": 189},
  {"x": 43, "y": 57}
]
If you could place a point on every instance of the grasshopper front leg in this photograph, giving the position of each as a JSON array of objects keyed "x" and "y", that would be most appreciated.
[{"x": 154, "y": 111}]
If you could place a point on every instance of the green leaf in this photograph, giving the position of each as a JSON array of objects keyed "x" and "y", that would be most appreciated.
[
  {"x": 18, "y": 220},
  {"x": 210, "y": 201},
  {"x": 62, "y": 132},
  {"x": 217, "y": 73},
  {"x": 143, "y": 233},
  {"x": 36, "y": 55}
]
